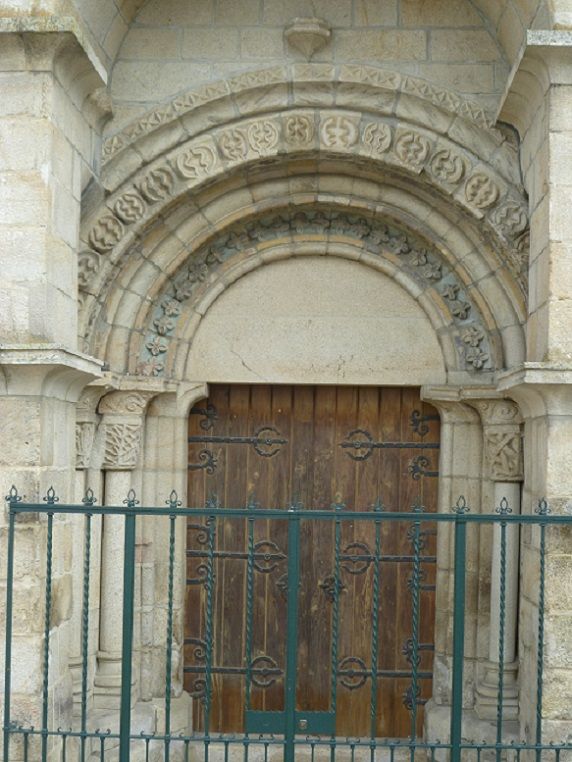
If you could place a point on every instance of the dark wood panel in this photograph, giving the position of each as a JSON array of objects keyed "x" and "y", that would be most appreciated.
[{"x": 282, "y": 444}]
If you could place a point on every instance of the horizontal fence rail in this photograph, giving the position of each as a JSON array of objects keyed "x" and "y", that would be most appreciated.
[{"x": 289, "y": 730}]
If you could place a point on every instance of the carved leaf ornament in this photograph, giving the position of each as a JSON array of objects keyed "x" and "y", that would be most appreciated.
[{"x": 378, "y": 238}]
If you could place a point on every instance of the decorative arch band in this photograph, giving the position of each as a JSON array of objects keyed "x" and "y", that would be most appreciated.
[{"x": 423, "y": 264}]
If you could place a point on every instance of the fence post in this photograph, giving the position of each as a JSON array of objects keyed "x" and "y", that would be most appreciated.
[
  {"x": 13, "y": 497},
  {"x": 460, "y": 510},
  {"x": 127, "y": 636}
]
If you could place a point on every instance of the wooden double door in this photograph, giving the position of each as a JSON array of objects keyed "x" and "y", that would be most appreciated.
[{"x": 275, "y": 446}]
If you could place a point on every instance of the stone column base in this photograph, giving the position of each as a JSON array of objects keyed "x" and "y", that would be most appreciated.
[
  {"x": 107, "y": 683},
  {"x": 438, "y": 727},
  {"x": 487, "y": 692}
]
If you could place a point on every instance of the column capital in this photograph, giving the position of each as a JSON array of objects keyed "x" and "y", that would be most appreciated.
[
  {"x": 123, "y": 418},
  {"x": 502, "y": 435}
]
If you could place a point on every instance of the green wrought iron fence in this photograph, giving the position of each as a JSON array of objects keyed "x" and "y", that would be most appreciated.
[{"x": 289, "y": 730}]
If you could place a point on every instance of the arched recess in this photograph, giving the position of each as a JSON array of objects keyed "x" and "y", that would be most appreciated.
[{"x": 356, "y": 152}]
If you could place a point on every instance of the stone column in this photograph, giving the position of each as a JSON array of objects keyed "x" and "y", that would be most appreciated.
[
  {"x": 123, "y": 422},
  {"x": 165, "y": 468},
  {"x": 88, "y": 475},
  {"x": 460, "y": 472},
  {"x": 502, "y": 439}
]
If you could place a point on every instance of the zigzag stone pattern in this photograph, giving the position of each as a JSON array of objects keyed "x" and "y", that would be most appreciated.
[
  {"x": 422, "y": 263},
  {"x": 371, "y": 76}
]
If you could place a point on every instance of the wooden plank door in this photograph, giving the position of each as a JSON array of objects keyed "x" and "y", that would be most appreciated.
[{"x": 276, "y": 445}]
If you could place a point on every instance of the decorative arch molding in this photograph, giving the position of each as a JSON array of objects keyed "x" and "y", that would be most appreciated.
[
  {"x": 180, "y": 188},
  {"x": 188, "y": 243},
  {"x": 374, "y": 148},
  {"x": 357, "y": 114},
  {"x": 298, "y": 85},
  {"x": 175, "y": 313}
]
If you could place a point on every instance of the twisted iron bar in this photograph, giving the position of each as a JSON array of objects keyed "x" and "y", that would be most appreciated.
[{"x": 503, "y": 510}]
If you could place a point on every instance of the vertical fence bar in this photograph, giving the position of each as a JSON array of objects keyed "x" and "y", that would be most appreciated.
[
  {"x": 173, "y": 502},
  {"x": 542, "y": 510},
  {"x": 503, "y": 510},
  {"x": 375, "y": 629},
  {"x": 50, "y": 499},
  {"x": 88, "y": 501},
  {"x": 292, "y": 636},
  {"x": 13, "y": 497},
  {"x": 249, "y": 603},
  {"x": 127, "y": 635},
  {"x": 460, "y": 510},
  {"x": 415, "y": 587},
  {"x": 335, "y": 623},
  {"x": 211, "y": 522}
]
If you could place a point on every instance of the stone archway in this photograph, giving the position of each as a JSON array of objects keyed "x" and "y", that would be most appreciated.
[{"x": 195, "y": 216}]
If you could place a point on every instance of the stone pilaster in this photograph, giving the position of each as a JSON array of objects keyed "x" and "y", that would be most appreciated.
[
  {"x": 502, "y": 441},
  {"x": 38, "y": 392},
  {"x": 544, "y": 395}
]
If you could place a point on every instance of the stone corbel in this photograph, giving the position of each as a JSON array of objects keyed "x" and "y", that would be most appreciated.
[{"x": 123, "y": 417}]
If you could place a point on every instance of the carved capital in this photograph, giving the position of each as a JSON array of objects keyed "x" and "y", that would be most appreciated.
[
  {"x": 502, "y": 438},
  {"x": 128, "y": 403},
  {"x": 503, "y": 453},
  {"x": 84, "y": 439},
  {"x": 122, "y": 444}
]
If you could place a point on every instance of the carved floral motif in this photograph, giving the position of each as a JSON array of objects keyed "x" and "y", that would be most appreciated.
[
  {"x": 232, "y": 144},
  {"x": 447, "y": 166},
  {"x": 375, "y": 236},
  {"x": 412, "y": 148},
  {"x": 511, "y": 218},
  {"x": 87, "y": 267},
  {"x": 129, "y": 207},
  {"x": 338, "y": 131},
  {"x": 106, "y": 232},
  {"x": 262, "y": 136},
  {"x": 197, "y": 161},
  {"x": 299, "y": 130},
  {"x": 481, "y": 191},
  {"x": 377, "y": 136},
  {"x": 157, "y": 184}
]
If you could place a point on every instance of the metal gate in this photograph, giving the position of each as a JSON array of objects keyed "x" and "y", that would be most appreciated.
[
  {"x": 289, "y": 728},
  {"x": 298, "y": 704}
]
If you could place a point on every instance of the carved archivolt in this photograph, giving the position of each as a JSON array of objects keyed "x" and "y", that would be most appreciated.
[
  {"x": 475, "y": 166},
  {"x": 424, "y": 264},
  {"x": 453, "y": 170},
  {"x": 368, "y": 78}
]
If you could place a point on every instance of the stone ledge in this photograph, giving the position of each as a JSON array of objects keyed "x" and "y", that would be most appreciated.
[
  {"x": 45, "y": 370},
  {"x": 52, "y": 25}
]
